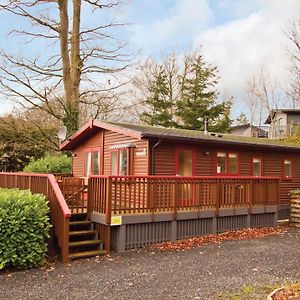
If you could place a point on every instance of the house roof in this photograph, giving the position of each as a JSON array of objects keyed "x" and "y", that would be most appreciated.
[
  {"x": 281, "y": 110},
  {"x": 246, "y": 126},
  {"x": 151, "y": 132}
]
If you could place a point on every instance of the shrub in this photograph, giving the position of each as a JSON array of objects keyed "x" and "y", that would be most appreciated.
[
  {"x": 295, "y": 192},
  {"x": 24, "y": 227},
  {"x": 50, "y": 164}
]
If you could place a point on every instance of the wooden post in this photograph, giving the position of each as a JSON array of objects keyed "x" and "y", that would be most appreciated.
[
  {"x": 175, "y": 198},
  {"x": 107, "y": 242},
  {"x": 108, "y": 201},
  {"x": 89, "y": 196},
  {"x": 218, "y": 197},
  {"x": 250, "y": 195},
  {"x": 65, "y": 241},
  {"x": 266, "y": 184},
  {"x": 108, "y": 213}
]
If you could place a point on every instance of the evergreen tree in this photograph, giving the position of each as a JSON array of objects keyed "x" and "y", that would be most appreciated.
[
  {"x": 242, "y": 119},
  {"x": 198, "y": 98},
  {"x": 158, "y": 104}
]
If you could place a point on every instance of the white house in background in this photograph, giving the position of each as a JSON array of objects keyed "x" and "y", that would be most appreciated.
[
  {"x": 249, "y": 131},
  {"x": 283, "y": 123}
]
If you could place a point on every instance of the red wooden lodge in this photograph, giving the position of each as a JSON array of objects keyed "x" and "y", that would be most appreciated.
[{"x": 147, "y": 184}]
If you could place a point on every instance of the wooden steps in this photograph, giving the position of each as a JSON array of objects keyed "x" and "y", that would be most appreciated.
[
  {"x": 85, "y": 243},
  {"x": 86, "y": 254},
  {"x": 85, "y": 222},
  {"x": 82, "y": 232},
  {"x": 83, "y": 238}
]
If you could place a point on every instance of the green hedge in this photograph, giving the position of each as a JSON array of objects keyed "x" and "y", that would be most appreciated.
[
  {"x": 24, "y": 227},
  {"x": 295, "y": 192},
  {"x": 50, "y": 164}
]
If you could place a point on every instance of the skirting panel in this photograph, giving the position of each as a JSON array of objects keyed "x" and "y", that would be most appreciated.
[
  {"x": 262, "y": 220},
  {"x": 194, "y": 227},
  {"x": 231, "y": 223},
  {"x": 138, "y": 235},
  {"x": 145, "y": 234}
]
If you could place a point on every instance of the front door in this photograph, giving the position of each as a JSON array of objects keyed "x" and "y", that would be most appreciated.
[
  {"x": 185, "y": 162},
  {"x": 185, "y": 166}
]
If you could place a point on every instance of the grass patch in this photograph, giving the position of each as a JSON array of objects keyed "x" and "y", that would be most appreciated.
[{"x": 247, "y": 292}]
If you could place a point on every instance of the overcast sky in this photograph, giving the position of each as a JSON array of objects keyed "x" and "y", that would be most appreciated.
[{"x": 237, "y": 36}]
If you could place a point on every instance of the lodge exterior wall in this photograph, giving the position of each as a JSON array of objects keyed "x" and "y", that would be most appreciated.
[
  {"x": 164, "y": 159},
  {"x": 138, "y": 155},
  {"x": 104, "y": 140},
  {"x": 206, "y": 164},
  {"x": 78, "y": 154}
]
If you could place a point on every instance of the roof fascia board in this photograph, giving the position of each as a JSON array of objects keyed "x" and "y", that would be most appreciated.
[
  {"x": 119, "y": 129},
  {"x": 225, "y": 142},
  {"x": 79, "y": 132},
  {"x": 102, "y": 125}
]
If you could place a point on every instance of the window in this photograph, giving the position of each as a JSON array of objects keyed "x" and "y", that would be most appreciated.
[
  {"x": 227, "y": 163},
  {"x": 114, "y": 163},
  {"x": 95, "y": 169},
  {"x": 92, "y": 163},
  {"x": 221, "y": 163},
  {"x": 185, "y": 162},
  {"x": 119, "y": 162},
  {"x": 232, "y": 163},
  {"x": 123, "y": 162},
  {"x": 287, "y": 168},
  {"x": 256, "y": 167}
]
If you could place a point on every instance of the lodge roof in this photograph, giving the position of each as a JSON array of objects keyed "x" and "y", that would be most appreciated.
[
  {"x": 289, "y": 111},
  {"x": 151, "y": 132}
]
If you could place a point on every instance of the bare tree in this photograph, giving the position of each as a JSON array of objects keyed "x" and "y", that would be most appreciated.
[
  {"x": 293, "y": 34},
  {"x": 252, "y": 101},
  {"x": 84, "y": 63},
  {"x": 264, "y": 96}
]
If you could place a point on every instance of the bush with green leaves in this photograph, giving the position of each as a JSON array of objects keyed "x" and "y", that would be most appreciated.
[
  {"x": 50, "y": 164},
  {"x": 24, "y": 227}
]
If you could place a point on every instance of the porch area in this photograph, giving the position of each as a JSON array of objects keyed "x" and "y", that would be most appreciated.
[{"x": 127, "y": 212}]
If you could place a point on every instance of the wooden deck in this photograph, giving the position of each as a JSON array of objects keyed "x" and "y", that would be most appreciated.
[
  {"x": 120, "y": 195},
  {"x": 143, "y": 196}
]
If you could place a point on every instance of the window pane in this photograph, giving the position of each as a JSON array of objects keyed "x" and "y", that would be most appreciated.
[
  {"x": 257, "y": 167},
  {"x": 221, "y": 162},
  {"x": 95, "y": 163},
  {"x": 185, "y": 163},
  {"x": 87, "y": 164},
  {"x": 123, "y": 162},
  {"x": 287, "y": 168},
  {"x": 232, "y": 163},
  {"x": 114, "y": 163}
]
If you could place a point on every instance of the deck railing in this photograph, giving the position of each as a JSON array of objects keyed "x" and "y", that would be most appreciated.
[
  {"x": 59, "y": 211},
  {"x": 75, "y": 192},
  {"x": 115, "y": 195}
]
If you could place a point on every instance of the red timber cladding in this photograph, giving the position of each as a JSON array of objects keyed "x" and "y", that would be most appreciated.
[
  {"x": 92, "y": 142},
  {"x": 139, "y": 154},
  {"x": 206, "y": 163},
  {"x": 274, "y": 167}
]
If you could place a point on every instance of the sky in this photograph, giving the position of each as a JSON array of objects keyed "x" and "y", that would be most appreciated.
[{"x": 237, "y": 36}]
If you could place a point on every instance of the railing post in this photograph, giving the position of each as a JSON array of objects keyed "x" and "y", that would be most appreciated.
[
  {"x": 176, "y": 197},
  {"x": 65, "y": 241},
  {"x": 218, "y": 185},
  {"x": 108, "y": 213},
  {"x": 250, "y": 195},
  {"x": 89, "y": 196},
  {"x": 266, "y": 184},
  {"x": 108, "y": 200}
]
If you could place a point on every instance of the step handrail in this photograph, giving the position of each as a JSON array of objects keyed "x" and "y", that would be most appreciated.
[{"x": 59, "y": 211}]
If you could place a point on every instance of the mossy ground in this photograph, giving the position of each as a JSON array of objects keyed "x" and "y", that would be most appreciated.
[{"x": 255, "y": 292}]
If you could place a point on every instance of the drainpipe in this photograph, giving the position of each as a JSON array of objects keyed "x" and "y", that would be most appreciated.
[{"x": 153, "y": 156}]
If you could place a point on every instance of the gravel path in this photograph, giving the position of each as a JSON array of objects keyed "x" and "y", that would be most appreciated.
[{"x": 200, "y": 273}]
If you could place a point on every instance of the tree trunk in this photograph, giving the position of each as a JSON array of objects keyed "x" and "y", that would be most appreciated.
[{"x": 71, "y": 66}]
